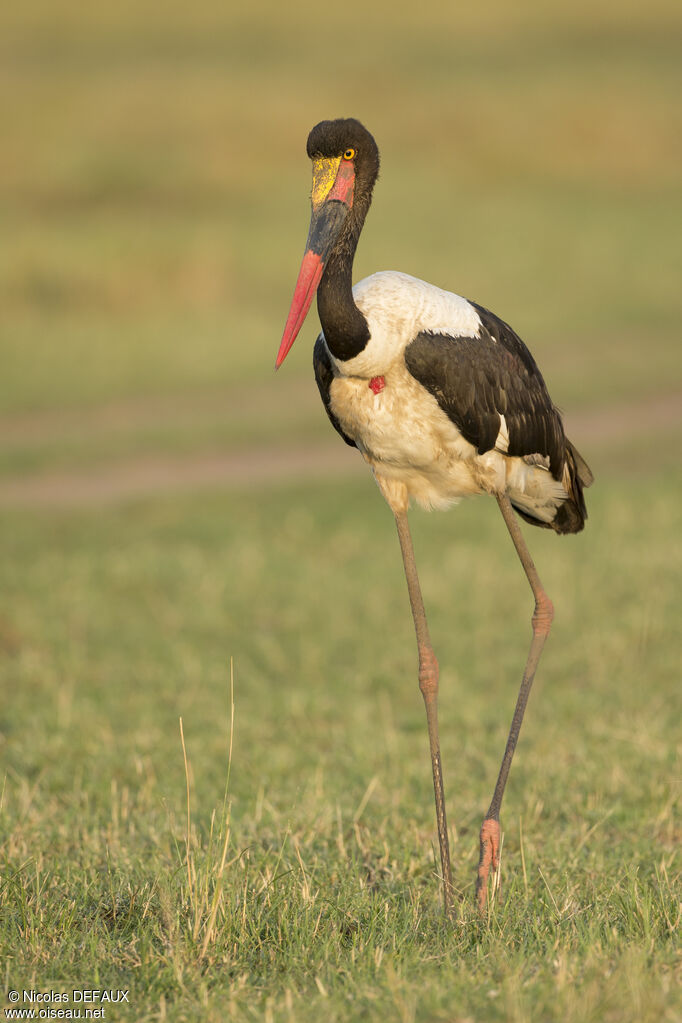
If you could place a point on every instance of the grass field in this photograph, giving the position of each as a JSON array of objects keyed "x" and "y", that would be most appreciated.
[
  {"x": 329, "y": 901},
  {"x": 153, "y": 195}
]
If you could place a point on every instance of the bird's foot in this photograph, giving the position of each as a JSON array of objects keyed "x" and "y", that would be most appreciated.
[{"x": 490, "y": 857}]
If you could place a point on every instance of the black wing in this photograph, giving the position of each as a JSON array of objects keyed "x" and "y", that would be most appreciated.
[
  {"x": 324, "y": 374},
  {"x": 475, "y": 379}
]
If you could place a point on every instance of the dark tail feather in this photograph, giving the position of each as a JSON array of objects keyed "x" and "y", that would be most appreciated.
[{"x": 570, "y": 516}]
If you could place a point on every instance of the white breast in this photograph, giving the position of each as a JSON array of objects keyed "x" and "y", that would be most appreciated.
[
  {"x": 414, "y": 449},
  {"x": 407, "y": 438}
]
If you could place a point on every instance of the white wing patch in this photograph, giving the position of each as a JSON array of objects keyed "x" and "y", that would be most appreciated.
[
  {"x": 502, "y": 439},
  {"x": 397, "y": 307}
]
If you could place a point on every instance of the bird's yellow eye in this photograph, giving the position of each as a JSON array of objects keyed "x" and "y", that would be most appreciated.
[{"x": 349, "y": 154}]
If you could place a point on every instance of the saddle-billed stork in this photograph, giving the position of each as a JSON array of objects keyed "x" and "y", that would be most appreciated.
[{"x": 443, "y": 400}]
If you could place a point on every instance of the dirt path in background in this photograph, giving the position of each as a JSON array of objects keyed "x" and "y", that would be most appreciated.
[
  {"x": 139, "y": 477},
  {"x": 132, "y": 415}
]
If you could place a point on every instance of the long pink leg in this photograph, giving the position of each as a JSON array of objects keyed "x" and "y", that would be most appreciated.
[
  {"x": 428, "y": 683},
  {"x": 542, "y": 621}
]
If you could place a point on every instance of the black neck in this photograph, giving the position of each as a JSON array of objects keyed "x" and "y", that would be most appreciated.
[{"x": 345, "y": 328}]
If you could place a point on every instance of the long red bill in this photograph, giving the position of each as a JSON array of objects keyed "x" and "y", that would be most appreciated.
[
  {"x": 309, "y": 277},
  {"x": 332, "y": 198}
]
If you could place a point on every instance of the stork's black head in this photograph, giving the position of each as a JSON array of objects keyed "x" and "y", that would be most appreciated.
[
  {"x": 345, "y": 166},
  {"x": 333, "y": 139}
]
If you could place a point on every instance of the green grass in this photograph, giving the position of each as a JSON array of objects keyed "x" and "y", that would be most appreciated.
[
  {"x": 117, "y": 625},
  {"x": 154, "y": 204}
]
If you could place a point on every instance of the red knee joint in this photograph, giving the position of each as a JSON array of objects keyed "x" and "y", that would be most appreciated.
[
  {"x": 490, "y": 857},
  {"x": 544, "y": 615},
  {"x": 490, "y": 846},
  {"x": 428, "y": 672}
]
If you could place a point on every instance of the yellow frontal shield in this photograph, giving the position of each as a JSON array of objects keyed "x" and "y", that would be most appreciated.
[{"x": 325, "y": 170}]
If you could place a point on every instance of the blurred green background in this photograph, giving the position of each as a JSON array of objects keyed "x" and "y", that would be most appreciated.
[
  {"x": 154, "y": 202},
  {"x": 154, "y": 207}
]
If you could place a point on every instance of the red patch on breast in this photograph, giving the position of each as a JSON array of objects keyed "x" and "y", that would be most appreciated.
[{"x": 377, "y": 384}]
